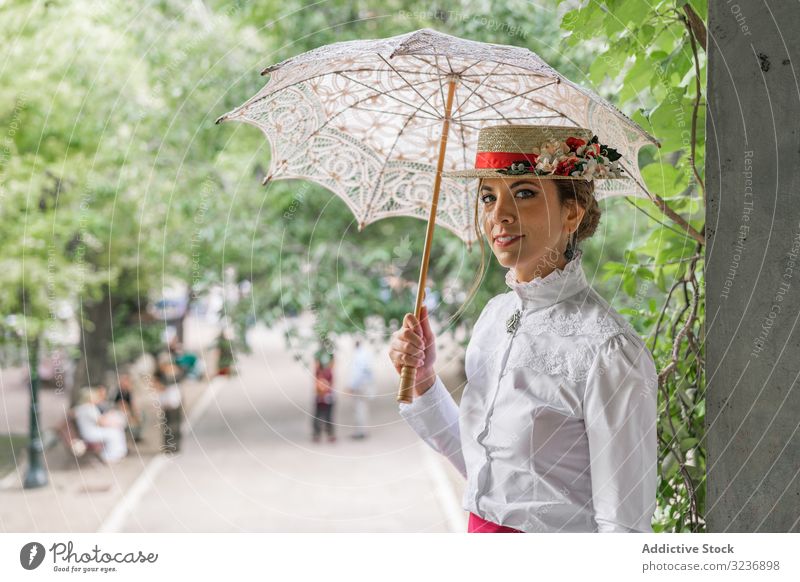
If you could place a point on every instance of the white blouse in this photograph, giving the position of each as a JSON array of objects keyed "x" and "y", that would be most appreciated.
[{"x": 556, "y": 430}]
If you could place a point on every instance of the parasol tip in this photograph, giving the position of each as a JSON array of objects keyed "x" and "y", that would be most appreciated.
[
  {"x": 269, "y": 69},
  {"x": 361, "y": 225},
  {"x": 220, "y": 119},
  {"x": 266, "y": 180}
]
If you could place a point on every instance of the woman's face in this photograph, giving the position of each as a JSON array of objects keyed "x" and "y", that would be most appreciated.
[{"x": 529, "y": 210}]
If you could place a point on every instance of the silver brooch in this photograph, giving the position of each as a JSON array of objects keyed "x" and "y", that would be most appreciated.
[{"x": 512, "y": 323}]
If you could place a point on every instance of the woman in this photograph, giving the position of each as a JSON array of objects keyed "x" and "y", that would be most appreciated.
[
  {"x": 556, "y": 429},
  {"x": 95, "y": 426}
]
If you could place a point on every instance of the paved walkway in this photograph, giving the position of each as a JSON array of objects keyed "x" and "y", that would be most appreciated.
[
  {"x": 248, "y": 464},
  {"x": 79, "y": 495}
]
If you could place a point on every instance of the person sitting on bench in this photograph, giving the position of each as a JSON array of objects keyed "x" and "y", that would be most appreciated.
[{"x": 94, "y": 426}]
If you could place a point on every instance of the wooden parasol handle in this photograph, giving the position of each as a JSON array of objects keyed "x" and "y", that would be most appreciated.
[{"x": 408, "y": 374}]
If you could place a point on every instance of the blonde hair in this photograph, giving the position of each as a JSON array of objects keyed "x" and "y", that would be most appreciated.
[{"x": 87, "y": 394}]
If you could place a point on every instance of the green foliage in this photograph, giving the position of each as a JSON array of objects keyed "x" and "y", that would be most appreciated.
[
  {"x": 108, "y": 142},
  {"x": 646, "y": 65}
]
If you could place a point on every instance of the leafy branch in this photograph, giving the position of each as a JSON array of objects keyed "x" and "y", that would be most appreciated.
[{"x": 652, "y": 54}]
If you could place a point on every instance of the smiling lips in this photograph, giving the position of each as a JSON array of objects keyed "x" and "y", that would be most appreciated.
[{"x": 504, "y": 241}]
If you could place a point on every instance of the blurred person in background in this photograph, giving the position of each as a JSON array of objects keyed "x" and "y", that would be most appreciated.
[
  {"x": 126, "y": 402},
  {"x": 225, "y": 361},
  {"x": 360, "y": 388},
  {"x": 168, "y": 377},
  {"x": 323, "y": 396},
  {"x": 95, "y": 426}
]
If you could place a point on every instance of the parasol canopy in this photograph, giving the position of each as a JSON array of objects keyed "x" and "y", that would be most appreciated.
[{"x": 364, "y": 119}]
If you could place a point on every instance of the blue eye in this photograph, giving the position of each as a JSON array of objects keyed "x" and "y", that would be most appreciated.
[{"x": 522, "y": 193}]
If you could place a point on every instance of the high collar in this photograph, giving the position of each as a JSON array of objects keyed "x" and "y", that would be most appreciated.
[{"x": 545, "y": 291}]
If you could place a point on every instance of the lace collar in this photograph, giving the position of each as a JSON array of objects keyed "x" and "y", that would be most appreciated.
[{"x": 545, "y": 291}]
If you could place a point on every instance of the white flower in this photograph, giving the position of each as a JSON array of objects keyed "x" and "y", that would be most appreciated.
[
  {"x": 589, "y": 169},
  {"x": 545, "y": 158},
  {"x": 549, "y": 148},
  {"x": 546, "y": 165}
]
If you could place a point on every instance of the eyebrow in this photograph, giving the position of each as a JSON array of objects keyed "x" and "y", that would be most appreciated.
[{"x": 514, "y": 185}]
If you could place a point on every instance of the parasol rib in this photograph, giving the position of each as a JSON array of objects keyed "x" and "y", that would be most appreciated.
[
  {"x": 478, "y": 86},
  {"x": 375, "y": 192},
  {"x": 512, "y": 96},
  {"x": 387, "y": 93},
  {"x": 407, "y": 83}
]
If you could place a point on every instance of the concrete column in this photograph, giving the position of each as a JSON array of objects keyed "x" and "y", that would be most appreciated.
[{"x": 753, "y": 267}]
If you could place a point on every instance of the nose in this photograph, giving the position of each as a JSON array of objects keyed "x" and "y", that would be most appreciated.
[{"x": 505, "y": 208}]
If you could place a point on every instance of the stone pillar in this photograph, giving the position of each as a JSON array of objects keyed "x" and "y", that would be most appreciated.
[{"x": 753, "y": 267}]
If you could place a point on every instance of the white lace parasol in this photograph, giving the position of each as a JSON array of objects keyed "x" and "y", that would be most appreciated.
[{"x": 363, "y": 119}]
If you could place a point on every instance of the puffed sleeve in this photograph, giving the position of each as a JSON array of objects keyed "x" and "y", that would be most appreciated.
[
  {"x": 620, "y": 413},
  {"x": 434, "y": 417}
]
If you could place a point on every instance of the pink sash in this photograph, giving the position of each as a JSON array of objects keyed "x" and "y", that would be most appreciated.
[{"x": 479, "y": 525}]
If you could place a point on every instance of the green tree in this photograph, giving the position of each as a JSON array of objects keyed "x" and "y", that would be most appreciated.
[
  {"x": 111, "y": 144},
  {"x": 650, "y": 59}
]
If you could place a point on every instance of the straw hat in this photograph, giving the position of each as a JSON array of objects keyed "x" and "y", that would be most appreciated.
[{"x": 545, "y": 151}]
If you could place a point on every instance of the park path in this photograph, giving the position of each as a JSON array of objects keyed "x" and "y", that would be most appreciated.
[{"x": 248, "y": 463}]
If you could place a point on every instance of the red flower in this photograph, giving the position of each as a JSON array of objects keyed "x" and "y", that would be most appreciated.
[
  {"x": 565, "y": 167},
  {"x": 574, "y": 143}
]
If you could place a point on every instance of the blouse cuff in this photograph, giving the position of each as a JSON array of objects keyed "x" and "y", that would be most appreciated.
[
  {"x": 605, "y": 526},
  {"x": 434, "y": 417}
]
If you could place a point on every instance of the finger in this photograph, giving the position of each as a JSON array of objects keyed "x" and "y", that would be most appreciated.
[
  {"x": 410, "y": 337},
  {"x": 414, "y": 323},
  {"x": 410, "y": 321},
  {"x": 427, "y": 332},
  {"x": 404, "y": 359},
  {"x": 407, "y": 352},
  {"x": 412, "y": 350},
  {"x": 401, "y": 338},
  {"x": 410, "y": 362}
]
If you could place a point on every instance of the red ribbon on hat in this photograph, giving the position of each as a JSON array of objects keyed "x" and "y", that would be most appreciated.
[{"x": 494, "y": 160}]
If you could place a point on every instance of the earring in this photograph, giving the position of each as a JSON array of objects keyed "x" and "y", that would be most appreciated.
[{"x": 569, "y": 252}]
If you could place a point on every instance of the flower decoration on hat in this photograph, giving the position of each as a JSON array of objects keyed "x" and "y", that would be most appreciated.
[
  {"x": 573, "y": 157},
  {"x": 548, "y": 151}
]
